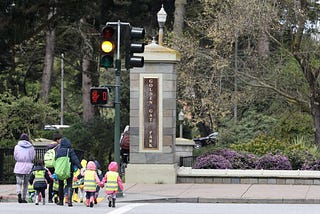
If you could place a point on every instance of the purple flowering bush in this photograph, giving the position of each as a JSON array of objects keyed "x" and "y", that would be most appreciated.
[
  {"x": 311, "y": 165},
  {"x": 237, "y": 160},
  {"x": 275, "y": 162},
  {"x": 230, "y": 159},
  {"x": 212, "y": 161}
]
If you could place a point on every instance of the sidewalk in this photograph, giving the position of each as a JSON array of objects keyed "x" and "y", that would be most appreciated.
[{"x": 205, "y": 193}]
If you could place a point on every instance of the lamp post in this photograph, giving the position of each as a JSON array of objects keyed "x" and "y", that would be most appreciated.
[
  {"x": 161, "y": 17},
  {"x": 62, "y": 92},
  {"x": 181, "y": 118}
]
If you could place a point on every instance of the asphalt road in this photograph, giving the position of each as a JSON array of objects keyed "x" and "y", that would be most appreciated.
[{"x": 163, "y": 208}]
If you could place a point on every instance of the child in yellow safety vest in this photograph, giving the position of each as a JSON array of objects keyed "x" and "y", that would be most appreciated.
[
  {"x": 39, "y": 178},
  {"x": 55, "y": 190},
  {"x": 31, "y": 193},
  {"x": 91, "y": 180},
  {"x": 77, "y": 184},
  {"x": 113, "y": 182},
  {"x": 100, "y": 175}
]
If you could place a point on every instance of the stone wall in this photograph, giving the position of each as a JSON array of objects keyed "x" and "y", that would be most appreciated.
[{"x": 227, "y": 176}]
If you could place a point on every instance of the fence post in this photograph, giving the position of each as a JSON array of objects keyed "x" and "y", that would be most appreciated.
[{"x": 1, "y": 165}]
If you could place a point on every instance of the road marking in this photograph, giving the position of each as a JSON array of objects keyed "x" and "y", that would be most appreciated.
[{"x": 126, "y": 208}]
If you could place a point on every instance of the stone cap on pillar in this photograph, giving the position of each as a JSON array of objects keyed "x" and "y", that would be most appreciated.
[{"x": 157, "y": 53}]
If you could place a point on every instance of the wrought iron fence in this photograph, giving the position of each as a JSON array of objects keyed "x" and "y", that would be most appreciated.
[
  {"x": 7, "y": 163},
  {"x": 187, "y": 161}
]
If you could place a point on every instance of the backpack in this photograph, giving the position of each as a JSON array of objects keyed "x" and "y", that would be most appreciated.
[
  {"x": 125, "y": 142},
  {"x": 62, "y": 167},
  {"x": 49, "y": 157}
]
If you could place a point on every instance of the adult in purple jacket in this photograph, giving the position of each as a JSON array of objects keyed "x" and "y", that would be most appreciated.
[{"x": 24, "y": 155}]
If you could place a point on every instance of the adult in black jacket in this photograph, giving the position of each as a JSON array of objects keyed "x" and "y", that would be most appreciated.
[
  {"x": 57, "y": 139},
  {"x": 65, "y": 146}
]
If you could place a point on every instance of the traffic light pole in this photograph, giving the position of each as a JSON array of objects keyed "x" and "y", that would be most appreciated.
[
  {"x": 134, "y": 61},
  {"x": 117, "y": 100},
  {"x": 117, "y": 105}
]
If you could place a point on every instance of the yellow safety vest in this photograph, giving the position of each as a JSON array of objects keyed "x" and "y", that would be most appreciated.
[
  {"x": 112, "y": 181},
  {"x": 55, "y": 186},
  {"x": 89, "y": 181},
  {"x": 75, "y": 184},
  {"x": 30, "y": 188},
  {"x": 39, "y": 175}
]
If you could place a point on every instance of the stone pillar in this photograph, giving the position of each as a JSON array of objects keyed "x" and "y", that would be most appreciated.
[{"x": 153, "y": 117}]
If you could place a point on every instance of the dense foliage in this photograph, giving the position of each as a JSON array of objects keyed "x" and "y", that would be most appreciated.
[
  {"x": 263, "y": 152},
  {"x": 247, "y": 69}
]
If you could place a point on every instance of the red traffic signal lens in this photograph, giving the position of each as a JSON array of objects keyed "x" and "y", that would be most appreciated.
[{"x": 107, "y": 32}]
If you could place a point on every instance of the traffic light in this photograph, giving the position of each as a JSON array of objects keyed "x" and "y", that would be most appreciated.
[
  {"x": 133, "y": 35},
  {"x": 99, "y": 95},
  {"x": 107, "y": 46}
]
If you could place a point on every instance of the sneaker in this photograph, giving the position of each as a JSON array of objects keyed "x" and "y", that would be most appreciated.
[
  {"x": 24, "y": 201},
  {"x": 95, "y": 201},
  {"x": 91, "y": 204},
  {"x": 70, "y": 205},
  {"x": 60, "y": 203},
  {"x": 19, "y": 198}
]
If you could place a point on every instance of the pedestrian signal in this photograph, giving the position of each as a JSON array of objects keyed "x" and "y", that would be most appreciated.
[{"x": 99, "y": 95}]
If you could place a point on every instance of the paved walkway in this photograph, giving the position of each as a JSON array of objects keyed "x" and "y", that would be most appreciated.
[{"x": 206, "y": 193}]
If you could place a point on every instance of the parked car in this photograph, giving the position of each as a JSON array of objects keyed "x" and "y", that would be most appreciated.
[{"x": 205, "y": 141}]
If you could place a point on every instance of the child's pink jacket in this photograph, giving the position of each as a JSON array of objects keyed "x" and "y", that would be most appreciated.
[
  {"x": 113, "y": 166},
  {"x": 91, "y": 166}
]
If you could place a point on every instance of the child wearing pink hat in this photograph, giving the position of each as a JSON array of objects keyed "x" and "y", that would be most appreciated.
[{"x": 113, "y": 182}]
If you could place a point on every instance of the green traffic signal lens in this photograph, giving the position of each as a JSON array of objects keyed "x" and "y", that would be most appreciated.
[{"x": 106, "y": 61}]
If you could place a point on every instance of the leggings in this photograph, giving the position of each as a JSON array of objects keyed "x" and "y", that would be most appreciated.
[{"x": 22, "y": 185}]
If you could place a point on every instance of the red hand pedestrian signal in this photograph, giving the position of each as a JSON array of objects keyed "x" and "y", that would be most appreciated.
[{"x": 99, "y": 95}]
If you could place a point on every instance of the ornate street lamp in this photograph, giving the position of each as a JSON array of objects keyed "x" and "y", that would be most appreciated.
[
  {"x": 161, "y": 17},
  {"x": 181, "y": 118}
]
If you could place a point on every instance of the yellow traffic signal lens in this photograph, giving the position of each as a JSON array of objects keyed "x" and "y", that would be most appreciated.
[{"x": 107, "y": 46}]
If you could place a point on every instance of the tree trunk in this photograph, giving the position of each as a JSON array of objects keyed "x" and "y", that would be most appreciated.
[
  {"x": 179, "y": 16},
  {"x": 263, "y": 44},
  {"x": 48, "y": 60},
  {"x": 315, "y": 110},
  {"x": 88, "y": 110}
]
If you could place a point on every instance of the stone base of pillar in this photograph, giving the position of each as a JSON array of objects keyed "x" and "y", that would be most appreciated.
[{"x": 151, "y": 173}]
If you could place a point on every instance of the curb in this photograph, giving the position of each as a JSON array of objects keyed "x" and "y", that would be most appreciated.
[
  {"x": 224, "y": 200},
  {"x": 8, "y": 198}
]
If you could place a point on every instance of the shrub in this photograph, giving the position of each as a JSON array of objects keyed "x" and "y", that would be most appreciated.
[
  {"x": 261, "y": 145},
  {"x": 237, "y": 160},
  {"x": 212, "y": 161},
  {"x": 312, "y": 165},
  {"x": 298, "y": 157},
  {"x": 276, "y": 162}
]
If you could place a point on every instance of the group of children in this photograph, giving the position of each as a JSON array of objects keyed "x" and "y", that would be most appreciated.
[{"x": 86, "y": 183}]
